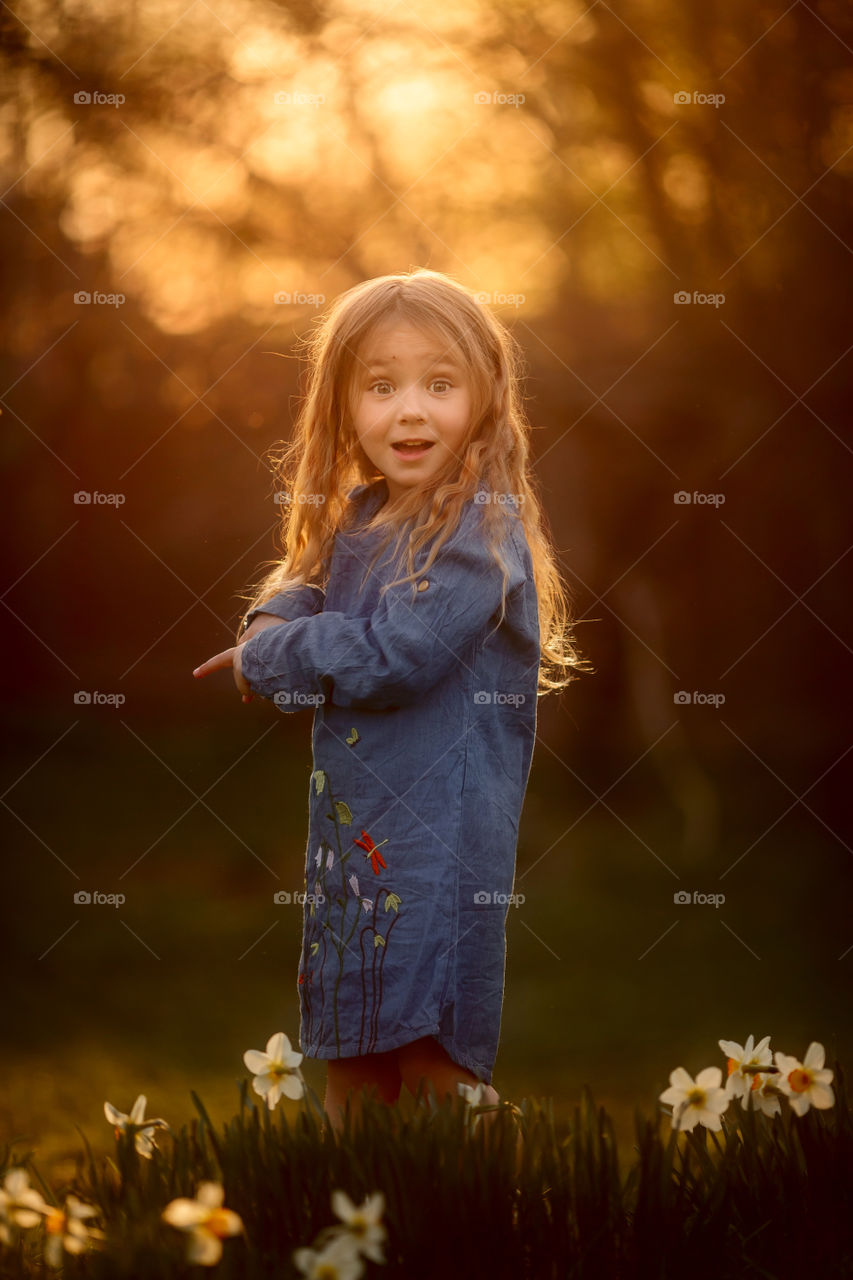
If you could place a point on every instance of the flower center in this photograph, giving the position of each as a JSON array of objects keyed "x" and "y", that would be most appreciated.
[
  {"x": 799, "y": 1080},
  {"x": 55, "y": 1222},
  {"x": 696, "y": 1097},
  {"x": 217, "y": 1223}
]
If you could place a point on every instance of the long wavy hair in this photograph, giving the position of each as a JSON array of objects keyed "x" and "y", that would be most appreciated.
[{"x": 324, "y": 460}]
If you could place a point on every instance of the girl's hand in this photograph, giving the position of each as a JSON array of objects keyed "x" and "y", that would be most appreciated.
[
  {"x": 228, "y": 658},
  {"x": 233, "y": 657}
]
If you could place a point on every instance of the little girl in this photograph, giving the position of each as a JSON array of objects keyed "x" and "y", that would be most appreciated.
[{"x": 422, "y": 662}]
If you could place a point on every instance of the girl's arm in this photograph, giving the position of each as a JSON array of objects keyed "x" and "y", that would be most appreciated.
[
  {"x": 410, "y": 641},
  {"x": 295, "y": 602}
]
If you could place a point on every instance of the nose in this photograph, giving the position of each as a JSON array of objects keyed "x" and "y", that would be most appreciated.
[{"x": 410, "y": 406}]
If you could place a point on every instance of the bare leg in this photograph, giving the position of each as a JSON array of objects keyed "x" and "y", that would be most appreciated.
[
  {"x": 426, "y": 1057},
  {"x": 375, "y": 1070}
]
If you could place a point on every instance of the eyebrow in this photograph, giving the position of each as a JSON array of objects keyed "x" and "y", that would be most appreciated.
[{"x": 446, "y": 362}]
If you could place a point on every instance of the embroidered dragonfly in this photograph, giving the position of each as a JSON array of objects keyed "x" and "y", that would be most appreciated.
[{"x": 376, "y": 859}]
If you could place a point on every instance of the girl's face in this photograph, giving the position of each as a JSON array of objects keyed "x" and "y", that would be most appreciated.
[{"x": 408, "y": 386}]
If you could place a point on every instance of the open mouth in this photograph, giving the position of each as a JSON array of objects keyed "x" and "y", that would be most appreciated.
[{"x": 412, "y": 448}]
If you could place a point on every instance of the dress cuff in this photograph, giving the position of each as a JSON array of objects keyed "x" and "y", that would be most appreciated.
[{"x": 297, "y": 602}]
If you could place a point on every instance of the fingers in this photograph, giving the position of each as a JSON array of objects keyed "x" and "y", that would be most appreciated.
[
  {"x": 216, "y": 663},
  {"x": 219, "y": 662}
]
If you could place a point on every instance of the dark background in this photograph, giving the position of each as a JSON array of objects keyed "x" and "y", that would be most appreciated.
[{"x": 597, "y": 198}]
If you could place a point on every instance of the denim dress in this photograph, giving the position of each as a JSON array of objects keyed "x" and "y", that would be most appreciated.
[{"x": 424, "y": 722}]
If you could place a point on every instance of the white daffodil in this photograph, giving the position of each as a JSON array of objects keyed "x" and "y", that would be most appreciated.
[
  {"x": 206, "y": 1222},
  {"x": 744, "y": 1064},
  {"x": 142, "y": 1129},
  {"x": 277, "y": 1071},
  {"x": 696, "y": 1102},
  {"x": 472, "y": 1093},
  {"x": 338, "y": 1260},
  {"x": 363, "y": 1222},
  {"x": 766, "y": 1093},
  {"x": 20, "y": 1204},
  {"x": 68, "y": 1229},
  {"x": 806, "y": 1083}
]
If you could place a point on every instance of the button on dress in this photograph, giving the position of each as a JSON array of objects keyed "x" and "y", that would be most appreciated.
[{"x": 424, "y": 722}]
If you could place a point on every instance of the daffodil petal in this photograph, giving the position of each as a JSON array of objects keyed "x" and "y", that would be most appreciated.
[
  {"x": 211, "y": 1194},
  {"x": 815, "y": 1055},
  {"x": 671, "y": 1096},
  {"x": 342, "y": 1206},
  {"x": 17, "y": 1182},
  {"x": 137, "y": 1111},
  {"x": 114, "y": 1116},
  {"x": 184, "y": 1213},
  {"x": 822, "y": 1096},
  {"x": 256, "y": 1061},
  {"x": 79, "y": 1209},
  {"x": 27, "y": 1217},
  {"x": 374, "y": 1206},
  {"x": 292, "y": 1086},
  {"x": 731, "y": 1048},
  {"x": 304, "y": 1259},
  {"x": 276, "y": 1046},
  {"x": 204, "y": 1248},
  {"x": 786, "y": 1064}
]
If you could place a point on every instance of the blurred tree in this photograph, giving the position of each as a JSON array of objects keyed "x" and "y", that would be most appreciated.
[{"x": 579, "y": 166}]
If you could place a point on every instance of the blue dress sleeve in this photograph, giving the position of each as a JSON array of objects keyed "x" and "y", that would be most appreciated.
[
  {"x": 411, "y": 640},
  {"x": 295, "y": 602}
]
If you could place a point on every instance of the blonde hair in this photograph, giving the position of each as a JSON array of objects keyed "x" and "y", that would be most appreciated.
[{"x": 324, "y": 460}]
